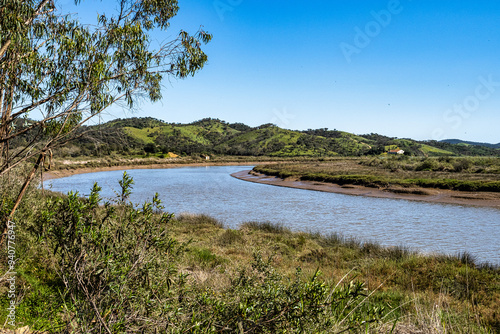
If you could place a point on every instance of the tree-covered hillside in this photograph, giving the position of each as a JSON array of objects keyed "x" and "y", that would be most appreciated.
[
  {"x": 139, "y": 136},
  {"x": 469, "y": 143}
]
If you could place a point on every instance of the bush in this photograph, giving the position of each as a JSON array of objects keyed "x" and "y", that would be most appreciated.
[
  {"x": 260, "y": 300},
  {"x": 230, "y": 237},
  {"x": 427, "y": 165},
  {"x": 150, "y": 148},
  {"x": 461, "y": 165},
  {"x": 118, "y": 264}
]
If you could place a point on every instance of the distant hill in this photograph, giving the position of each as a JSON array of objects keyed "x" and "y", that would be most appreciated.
[
  {"x": 458, "y": 141},
  {"x": 140, "y": 136},
  {"x": 213, "y": 136}
]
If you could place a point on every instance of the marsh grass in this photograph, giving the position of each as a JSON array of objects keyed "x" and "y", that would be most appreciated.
[
  {"x": 456, "y": 283},
  {"x": 199, "y": 220},
  {"x": 277, "y": 228},
  {"x": 463, "y": 174},
  {"x": 206, "y": 259}
]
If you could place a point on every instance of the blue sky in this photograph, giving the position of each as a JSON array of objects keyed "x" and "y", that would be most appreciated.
[{"x": 416, "y": 69}]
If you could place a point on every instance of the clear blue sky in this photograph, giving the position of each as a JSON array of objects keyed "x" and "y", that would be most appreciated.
[{"x": 419, "y": 69}]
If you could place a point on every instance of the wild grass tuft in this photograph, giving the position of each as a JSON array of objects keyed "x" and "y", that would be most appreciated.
[
  {"x": 337, "y": 239},
  {"x": 198, "y": 219},
  {"x": 230, "y": 237},
  {"x": 277, "y": 228},
  {"x": 467, "y": 258},
  {"x": 206, "y": 259}
]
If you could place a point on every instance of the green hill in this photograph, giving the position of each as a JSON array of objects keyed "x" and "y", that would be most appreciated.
[
  {"x": 466, "y": 143},
  {"x": 139, "y": 136}
]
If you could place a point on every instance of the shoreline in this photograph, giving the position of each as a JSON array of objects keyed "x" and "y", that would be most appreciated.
[
  {"x": 442, "y": 196},
  {"x": 481, "y": 199},
  {"x": 56, "y": 174}
]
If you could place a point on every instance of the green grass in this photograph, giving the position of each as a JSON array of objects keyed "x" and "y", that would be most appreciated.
[
  {"x": 140, "y": 134},
  {"x": 355, "y": 137},
  {"x": 434, "y": 150},
  {"x": 193, "y": 133}
]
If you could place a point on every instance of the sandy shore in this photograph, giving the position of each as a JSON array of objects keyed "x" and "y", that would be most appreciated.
[
  {"x": 484, "y": 199},
  {"x": 69, "y": 172}
]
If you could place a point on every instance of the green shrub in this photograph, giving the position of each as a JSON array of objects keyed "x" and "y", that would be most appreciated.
[
  {"x": 461, "y": 165},
  {"x": 262, "y": 301},
  {"x": 118, "y": 264},
  {"x": 427, "y": 165},
  {"x": 230, "y": 237}
]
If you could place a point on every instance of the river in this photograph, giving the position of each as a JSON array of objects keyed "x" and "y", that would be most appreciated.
[{"x": 426, "y": 227}]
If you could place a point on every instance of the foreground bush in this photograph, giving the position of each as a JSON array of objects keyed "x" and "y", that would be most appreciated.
[{"x": 260, "y": 300}]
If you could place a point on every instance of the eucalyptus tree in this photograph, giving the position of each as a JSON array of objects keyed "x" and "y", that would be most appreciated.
[{"x": 56, "y": 73}]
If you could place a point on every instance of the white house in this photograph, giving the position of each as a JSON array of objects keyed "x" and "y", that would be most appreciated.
[{"x": 397, "y": 151}]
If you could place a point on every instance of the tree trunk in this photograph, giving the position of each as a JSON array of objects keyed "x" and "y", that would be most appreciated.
[{"x": 27, "y": 182}]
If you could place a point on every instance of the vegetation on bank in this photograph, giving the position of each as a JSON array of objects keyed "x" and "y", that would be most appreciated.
[
  {"x": 84, "y": 267},
  {"x": 463, "y": 174},
  {"x": 160, "y": 159}
]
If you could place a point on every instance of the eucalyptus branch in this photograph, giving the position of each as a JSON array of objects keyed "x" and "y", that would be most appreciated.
[
  {"x": 71, "y": 72},
  {"x": 27, "y": 22}
]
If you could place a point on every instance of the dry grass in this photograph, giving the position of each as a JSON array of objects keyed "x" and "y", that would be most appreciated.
[{"x": 441, "y": 294}]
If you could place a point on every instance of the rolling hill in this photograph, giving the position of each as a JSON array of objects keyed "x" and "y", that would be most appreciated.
[
  {"x": 463, "y": 142},
  {"x": 139, "y": 136}
]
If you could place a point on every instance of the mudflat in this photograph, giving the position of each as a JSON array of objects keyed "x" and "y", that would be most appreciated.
[{"x": 484, "y": 199}]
